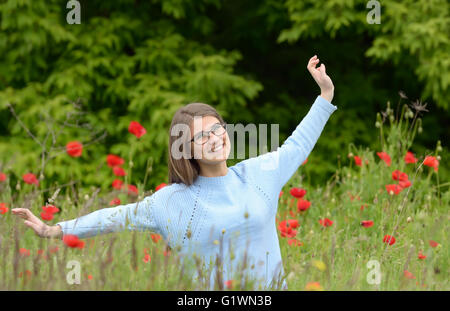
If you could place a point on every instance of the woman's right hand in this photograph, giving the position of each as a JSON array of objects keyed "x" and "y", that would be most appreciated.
[{"x": 39, "y": 227}]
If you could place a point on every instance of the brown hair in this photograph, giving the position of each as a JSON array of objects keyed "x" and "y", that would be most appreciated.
[{"x": 186, "y": 170}]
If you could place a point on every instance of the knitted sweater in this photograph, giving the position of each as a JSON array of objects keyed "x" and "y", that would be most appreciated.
[{"x": 230, "y": 216}]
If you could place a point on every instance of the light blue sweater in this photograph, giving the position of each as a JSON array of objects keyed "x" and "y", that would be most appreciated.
[{"x": 235, "y": 212}]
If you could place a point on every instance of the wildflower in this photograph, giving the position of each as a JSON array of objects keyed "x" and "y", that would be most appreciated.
[
  {"x": 89, "y": 276},
  {"x": 433, "y": 243},
  {"x": 118, "y": 171},
  {"x": 229, "y": 284},
  {"x": 303, "y": 205},
  {"x": 74, "y": 149},
  {"x": 2, "y": 177},
  {"x": 3, "y": 208},
  {"x": 73, "y": 241},
  {"x": 294, "y": 242},
  {"x": 286, "y": 230},
  {"x": 53, "y": 249},
  {"x": 147, "y": 258},
  {"x": 304, "y": 162},
  {"x": 24, "y": 252},
  {"x": 293, "y": 223},
  {"x": 385, "y": 157},
  {"x": 421, "y": 256},
  {"x": 408, "y": 275},
  {"x": 114, "y": 160},
  {"x": 404, "y": 184},
  {"x": 319, "y": 265},
  {"x": 132, "y": 190},
  {"x": 400, "y": 176},
  {"x": 409, "y": 158},
  {"x": 431, "y": 162},
  {"x": 297, "y": 192},
  {"x": 156, "y": 237},
  {"x": 367, "y": 223},
  {"x": 114, "y": 202},
  {"x": 281, "y": 193},
  {"x": 393, "y": 189},
  {"x": 326, "y": 222},
  {"x": 117, "y": 184},
  {"x": 362, "y": 207},
  {"x": 46, "y": 216},
  {"x": 162, "y": 185},
  {"x": 30, "y": 179},
  {"x": 28, "y": 273},
  {"x": 389, "y": 239},
  {"x": 51, "y": 209},
  {"x": 136, "y": 129},
  {"x": 313, "y": 286},
  {"x": 358, "y": 160}
]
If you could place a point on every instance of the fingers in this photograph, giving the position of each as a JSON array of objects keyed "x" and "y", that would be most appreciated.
[
  {"x": 25, "y": 213},
  {"x": 313, "y": 61},
  {"x": 322, "y": 69}
]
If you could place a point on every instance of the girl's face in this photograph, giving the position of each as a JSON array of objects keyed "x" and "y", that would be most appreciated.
[{"x": 217, "y": 148}]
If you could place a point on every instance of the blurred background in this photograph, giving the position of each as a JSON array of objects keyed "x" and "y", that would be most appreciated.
[{"x": 135, "y": 60}]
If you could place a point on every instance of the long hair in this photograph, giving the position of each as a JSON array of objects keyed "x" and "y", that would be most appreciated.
[{"x": 186, "y": 170}]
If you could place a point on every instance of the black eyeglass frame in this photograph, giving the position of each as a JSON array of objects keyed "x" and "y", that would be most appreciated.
[{"x": 224, "y": 125}]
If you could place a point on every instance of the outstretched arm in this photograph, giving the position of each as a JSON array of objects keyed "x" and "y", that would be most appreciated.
[{"x": 133, "y": 216}]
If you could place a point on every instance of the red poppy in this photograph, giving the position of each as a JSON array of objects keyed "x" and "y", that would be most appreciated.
[
  {"x": 294, "y": 242},
  {"x": 132, "y": 190},
  {"x": 389, "y": 239},
  {"x": 73, "y": 241},
  {"x": 74, "y": 149},
  {"x": 385, "y": 157},
  {"x": 326, "y": 222},
  {"x": 286, "y": 230},
  {"x": 136, "y": 129},
  {"x": 431, "y": 162},
  {"x": 117, "y": 184},
  {"x": 433, "y": 243},
  {"x": 404, "y": 184},
  {"x": 46, "y": 216},
  {"x": 147, "y": 257},
  {"x": 293, "y": 223},
  {"x": 362, "y": 207},
  {"x": 162, "y": 185},
  {"x": 409, "y": 158},
  {"x": 398, "y": 175},
  {"x": 298, "y": 192},
  {"x": 303, "y": 205},
  {"x": 393, "y": 189},
  {"x": 114, "y": 202},
  {"x": 156, "y": 237},
  {"x": 304, "y": 162},
  {"x": 30, "y": 179},
  {"x": 28, "y": 273},
  {"x": 53, "y": 249},
  {"x": 113, "y": 160},
  {"x": 281, "y": 193},
  {"x": 2, "y": 176},
  {"x": 352, "y": 197},
  {"x": 24, "y": 252},
  {"x": 421, "y": 256},
  {"x": 3, "y": 208},
  {"x": 89, "y": 276},
  {"x": 229, "y": 284},
  {"x": 367, "y": 223},
  {"x": 51, "y": 209},
  {"x": 118, "y": 171},
  {"x": 408, "y": 275},
  {"x": 358, "y": 160}
]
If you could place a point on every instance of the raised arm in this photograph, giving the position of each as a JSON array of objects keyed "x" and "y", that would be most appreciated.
[{"x": 272, "y": 170}]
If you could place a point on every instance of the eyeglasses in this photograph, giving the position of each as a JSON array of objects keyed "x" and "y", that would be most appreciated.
[{"x": 218, "y": 129}]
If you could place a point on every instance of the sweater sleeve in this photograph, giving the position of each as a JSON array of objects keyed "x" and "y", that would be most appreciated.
[
  {"x": 134, "y": 216},
  {"x": 272, "y": 170}
]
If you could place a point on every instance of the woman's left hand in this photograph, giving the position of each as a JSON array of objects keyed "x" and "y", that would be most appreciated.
[{"x": 322, "y": 79}]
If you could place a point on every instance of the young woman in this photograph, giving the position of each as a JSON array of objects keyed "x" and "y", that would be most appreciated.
[{"x": 209, "y": 209}]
